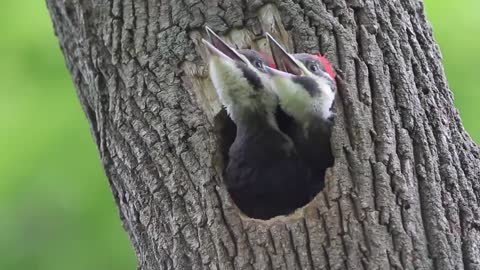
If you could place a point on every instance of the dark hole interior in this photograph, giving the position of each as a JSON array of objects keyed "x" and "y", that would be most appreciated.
[{"x": 226, "y": 132}]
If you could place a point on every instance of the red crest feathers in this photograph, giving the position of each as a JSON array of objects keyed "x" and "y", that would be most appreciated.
[
  {"x": 327, "y": 65},
  {"x": 270, "y": 61}
]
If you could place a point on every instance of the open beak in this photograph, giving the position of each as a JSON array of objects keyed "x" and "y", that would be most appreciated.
[
  {"x": 218, "y": 47},
  {"x": 282, "y": 58}
]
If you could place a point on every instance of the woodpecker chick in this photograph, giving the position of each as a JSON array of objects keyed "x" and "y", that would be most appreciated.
[
  {"x": 234, "y": 75},
  {"x": 264, "y": 174},
  {"x": 306, "y": 89},
  {"x": 309, "y": 88}
]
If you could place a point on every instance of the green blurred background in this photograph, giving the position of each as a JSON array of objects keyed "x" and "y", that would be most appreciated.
[{"x": 56, "y": 210}]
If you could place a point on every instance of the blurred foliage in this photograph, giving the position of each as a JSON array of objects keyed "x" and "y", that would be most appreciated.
[
  {"x": 56, "y": 208},
  {"x": 456, "y": 28}
]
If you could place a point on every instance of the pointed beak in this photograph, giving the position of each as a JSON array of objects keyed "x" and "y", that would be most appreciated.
[
  {"x": 278, "y": 73},
  {"x": 218, "y": 47},
  {"x": 214, "y": 51},
  {"x": 282, "y": 58}
]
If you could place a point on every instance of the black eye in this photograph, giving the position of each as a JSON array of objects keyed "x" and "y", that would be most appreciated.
[
  {"x": 258, "y": 64},
  {"x": 313, "y": 68}
]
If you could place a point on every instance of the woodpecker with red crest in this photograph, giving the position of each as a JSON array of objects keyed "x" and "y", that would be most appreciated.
[
  {"x": 305, "y": 85},
  {"x": 264, "y": 174}
]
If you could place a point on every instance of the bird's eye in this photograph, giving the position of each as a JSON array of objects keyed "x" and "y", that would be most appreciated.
[
  {"x": 313, "y": 68},
  {"x": 258, "y": 64}
]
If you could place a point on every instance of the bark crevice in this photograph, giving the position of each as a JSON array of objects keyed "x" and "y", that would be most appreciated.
[{"x": 403, "y": 192}]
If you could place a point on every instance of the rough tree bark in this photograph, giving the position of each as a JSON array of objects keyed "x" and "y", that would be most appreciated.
[{"x": 404, "y": 191}]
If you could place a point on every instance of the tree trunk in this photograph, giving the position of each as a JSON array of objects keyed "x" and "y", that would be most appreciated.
[{"x": 404, "y": 191}]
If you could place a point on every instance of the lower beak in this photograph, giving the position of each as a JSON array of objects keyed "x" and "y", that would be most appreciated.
[
  {"x": 214, "y": 51},
  {"x": 275, "y": 72},
  {"x": 217, "y": 46},
  {"x": 283, "y": 60}
]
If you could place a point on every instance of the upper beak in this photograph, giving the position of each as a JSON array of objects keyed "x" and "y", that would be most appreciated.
[
  {"x": 220, "y": 48},
  {"x": 282, "y": 58}
]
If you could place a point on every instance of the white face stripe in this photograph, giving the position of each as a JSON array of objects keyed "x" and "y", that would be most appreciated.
[
  {"x": 294, "y": 100},
  {"x": 323, "y": 104},
  {"x": 298, "y": 103},
  {"x": 236, "y": 93}
]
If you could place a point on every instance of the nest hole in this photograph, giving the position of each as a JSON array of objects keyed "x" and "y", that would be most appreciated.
[{"x": 226, "y": 131}]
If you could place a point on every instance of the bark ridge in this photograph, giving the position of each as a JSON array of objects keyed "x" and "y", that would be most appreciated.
[{"x": 403, "y": 193}]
